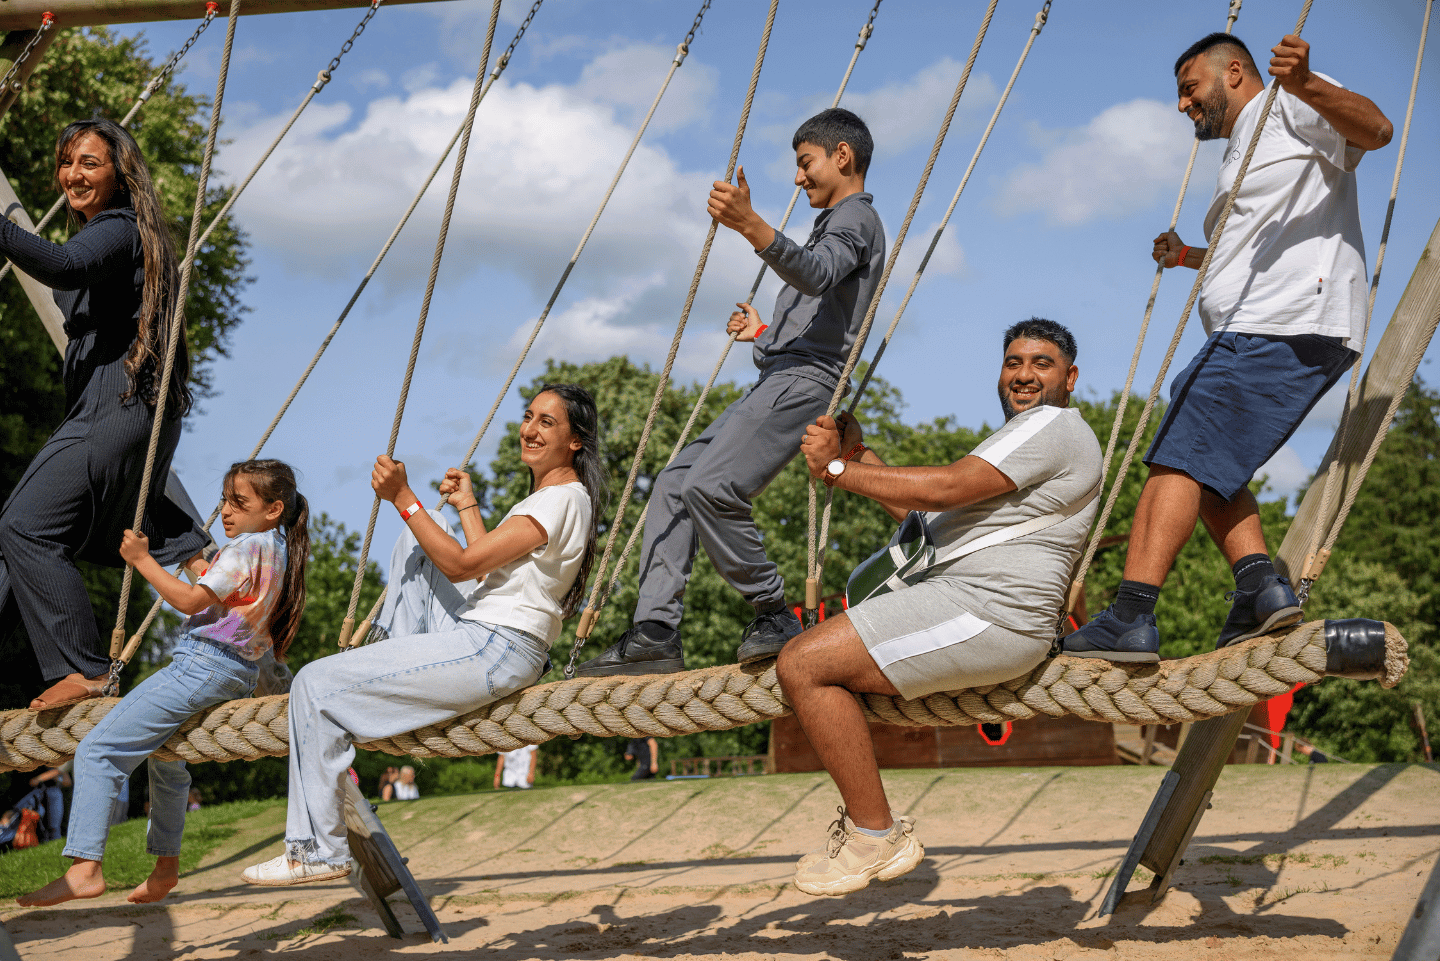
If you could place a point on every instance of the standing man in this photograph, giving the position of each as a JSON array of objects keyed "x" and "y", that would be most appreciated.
[
  {"x": 1284, "y": 305},
  {"x": 645, "y": 752},
  {"x": 704, "y": 497},
  {"x": 976, "y": 618}
]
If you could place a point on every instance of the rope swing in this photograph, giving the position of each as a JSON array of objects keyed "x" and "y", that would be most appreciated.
[
  {"x": 681, "y": 51},
  {"x": 348, "y": 627},
  {"x": 587, "y": 619}
]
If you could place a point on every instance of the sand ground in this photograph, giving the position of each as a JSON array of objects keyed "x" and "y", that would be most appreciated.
[{"x": 1296, "y": 862}]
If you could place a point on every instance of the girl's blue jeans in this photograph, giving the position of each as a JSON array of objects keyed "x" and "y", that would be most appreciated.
[
  {"x": 201, "y": 674},
  {"x": 433, "y": 667}
]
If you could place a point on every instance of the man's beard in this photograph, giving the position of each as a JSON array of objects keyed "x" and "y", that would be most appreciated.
[
  {"x": 1213, "y": 108},
  {"x": 1046, "y": 398}
]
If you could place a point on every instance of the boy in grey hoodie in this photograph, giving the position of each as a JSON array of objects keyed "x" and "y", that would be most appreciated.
[{"x": 704, "y": 497}]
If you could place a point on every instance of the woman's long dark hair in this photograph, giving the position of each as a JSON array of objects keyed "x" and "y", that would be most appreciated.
[
  {"x": 584, "y": 424},
  {"x": 274, "y": 480},
  {"x": 134, "y": 188}
]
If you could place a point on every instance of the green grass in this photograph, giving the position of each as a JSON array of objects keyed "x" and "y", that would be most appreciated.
[
  {"x": 335, "y": 918},
  {"x": 126, "y": 863}
]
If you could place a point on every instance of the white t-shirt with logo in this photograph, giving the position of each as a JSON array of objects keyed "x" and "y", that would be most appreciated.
[
  {"x": 1292, "y": 258},
  {"x": 526, "y": 593}
]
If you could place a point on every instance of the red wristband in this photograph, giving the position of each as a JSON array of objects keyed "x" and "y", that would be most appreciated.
[
  {"x": 408, "y": 512},
  {"x": 760, "y": 330},
  {"x": 1184, "y": 252}
]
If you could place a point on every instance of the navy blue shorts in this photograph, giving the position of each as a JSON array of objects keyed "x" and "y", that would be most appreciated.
[{"x": 1240, "y": 400}]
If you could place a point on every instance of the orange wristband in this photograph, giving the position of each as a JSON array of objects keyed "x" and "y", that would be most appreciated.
[
  {"x": 409, "y": 512},
  {"x": 760, "y": 330},
  {"x": 1184, "y": 252}
]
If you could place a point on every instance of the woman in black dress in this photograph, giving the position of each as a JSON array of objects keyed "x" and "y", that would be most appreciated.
[{"x": 115, "y": 281}]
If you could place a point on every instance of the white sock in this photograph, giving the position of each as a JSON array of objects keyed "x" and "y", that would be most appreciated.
[{"x": 873, "y": 834}]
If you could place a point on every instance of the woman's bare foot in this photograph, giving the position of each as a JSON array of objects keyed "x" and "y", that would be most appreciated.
[
  {"x": 160, "y": 882},
  {"x": 83, "y": 880}
]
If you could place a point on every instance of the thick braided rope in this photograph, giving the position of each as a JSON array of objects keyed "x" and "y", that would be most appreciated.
[
  {"x": 177, "y": 334},
  {"x": 1039, "y": 25},
  {"x": 812, "y": 528},
  {"x": 1154, "y": 394},
  {"x": 599, "y": 594},
  {"x": 721, "y": 698},
  {"x": 349, "y": 625},
  {"x": 681, "y": 51},
  {"x": 1093, "y": 544},
  {"x": 639, "y": 527},
  {"x": 140, "y": 101},
  {"x": 1316, "y": 552},
  {"x": 359, "y": 289}
]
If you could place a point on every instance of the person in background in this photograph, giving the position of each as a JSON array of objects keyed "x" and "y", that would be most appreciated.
[
  {"x": 405, "y": 787},
  {"x": 195, "y": 801},
  {"x": 517, "y": 768},
  {"x": 52, "y": 780},
  {"x": 646, "y": 755},
  {"x": 387, "y": 783}
]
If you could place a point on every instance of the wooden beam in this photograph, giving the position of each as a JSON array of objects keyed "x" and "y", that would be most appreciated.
[
  {"x": 42, "y": 298},
  {"x": 15, "y": 43},
  {"x": 25, "y": 14}
]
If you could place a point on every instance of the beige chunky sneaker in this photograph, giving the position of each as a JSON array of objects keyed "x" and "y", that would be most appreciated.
[{"x": 850, "y": 859}]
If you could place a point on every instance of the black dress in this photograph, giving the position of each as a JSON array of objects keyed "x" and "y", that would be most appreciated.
[{"x": 78, "y": 495}]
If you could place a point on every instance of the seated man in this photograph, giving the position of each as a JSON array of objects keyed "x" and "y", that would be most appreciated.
[{"x": 982, "y": 618}]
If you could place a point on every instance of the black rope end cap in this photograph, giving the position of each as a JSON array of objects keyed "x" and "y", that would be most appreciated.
[{"x": 1355, "y": 648}]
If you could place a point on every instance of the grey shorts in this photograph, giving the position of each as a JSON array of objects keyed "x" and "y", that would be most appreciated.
[{"x": 924, "y": 640}]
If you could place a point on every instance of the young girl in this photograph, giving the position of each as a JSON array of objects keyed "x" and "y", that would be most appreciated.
[
  {"x": 248, "y": 601},
  {"x": 467, "y": 624}
]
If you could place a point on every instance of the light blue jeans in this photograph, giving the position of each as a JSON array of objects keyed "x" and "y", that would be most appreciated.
[
  {"x": 201, "y": 674},
  {"x": 433, "y": 667}
]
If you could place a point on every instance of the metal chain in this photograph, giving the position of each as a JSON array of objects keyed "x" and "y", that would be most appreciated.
[
  {"x": 46, "y": 22},
  {"x": 345, "y": 47},
  {"x": 524, "y": 25},
  {"x": 695, "y": 27},
  {"x": 211, "y": 9}
]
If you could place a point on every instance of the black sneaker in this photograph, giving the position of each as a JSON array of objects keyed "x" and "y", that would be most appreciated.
[
  {"x": 1111, "y": 639},
  {"x": 647, "y": 648},
  {"x": 1269, "y": 607},
  {"x": 767, "y": 634}
]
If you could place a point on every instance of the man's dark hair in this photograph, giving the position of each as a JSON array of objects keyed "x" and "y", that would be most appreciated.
[
  {"x": 1209, "y": 43},
  {"x": 830, "y": 128},
  {"x": 1038, "y": 328}
]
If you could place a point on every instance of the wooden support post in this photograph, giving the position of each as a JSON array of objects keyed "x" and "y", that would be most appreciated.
[
  {"x": 42, "y": 298},
  {"x": 25, "y": 14},
  {"x": 1421, "y": 940},
  {"x": 1204, "y": 752},
  {"x": 382, "y": 870},
  {"x": 15, "y": 42}
]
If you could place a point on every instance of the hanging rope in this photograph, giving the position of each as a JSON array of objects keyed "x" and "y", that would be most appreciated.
[
  {"x": 824, "y": 537},
  {"x": 348, "y": 627},
  {"x": 119, "y": 658},
  {"x": 730, "y": 696},
  {"x": 364, "y": 282},
  {"x": 588, "y": 618},
  {"x": 1077, "y": 587},
  {"x": 140, "y": 101},
  {"x": 681, "y": 51},
  {"x": 598, "y": 589},
  {"x": 1317, "y": 556},
  {"x": 1216, "y": 234},
  {"x": 46, "y": 22}
]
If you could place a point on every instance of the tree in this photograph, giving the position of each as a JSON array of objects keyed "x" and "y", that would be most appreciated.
[{"x": 88, "y": 72}]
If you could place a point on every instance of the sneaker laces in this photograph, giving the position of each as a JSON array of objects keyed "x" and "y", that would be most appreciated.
[{"x": 839, "y": 834}]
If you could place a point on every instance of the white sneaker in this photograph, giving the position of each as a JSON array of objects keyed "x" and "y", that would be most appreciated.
[
  {"x": 277, "y": 872},
  {"x": 850, "y": 859}
]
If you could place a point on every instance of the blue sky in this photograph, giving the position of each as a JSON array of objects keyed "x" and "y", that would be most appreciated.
[{"x": 1080, "y": 173}]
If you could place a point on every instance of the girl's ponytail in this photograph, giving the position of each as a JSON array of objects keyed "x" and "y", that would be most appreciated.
[{"x": 274, "y": 480}]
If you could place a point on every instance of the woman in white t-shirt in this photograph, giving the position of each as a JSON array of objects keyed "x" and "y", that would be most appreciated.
[{"x": 466, "y": 624}]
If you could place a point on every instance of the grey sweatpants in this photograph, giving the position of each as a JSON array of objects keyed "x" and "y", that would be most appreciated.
[{"x": 703, "y": 498}]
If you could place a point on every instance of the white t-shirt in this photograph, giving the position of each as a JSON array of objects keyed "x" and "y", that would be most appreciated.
[
  {"x": 407, "y": 792},
  {"x": 1054, "y": 460},
  {"x": 1292, "y": 258},
  {"x": 526, "y": 593},
  {"x": 516, "y": 772}
]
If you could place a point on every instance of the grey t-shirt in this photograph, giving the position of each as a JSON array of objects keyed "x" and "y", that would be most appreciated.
[
  {"x": 1053, "y": 458},
  {"x": 829, "y": 284}
]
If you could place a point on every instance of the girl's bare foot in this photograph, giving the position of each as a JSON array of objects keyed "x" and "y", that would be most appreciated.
[
  {"x": 160, "y": 882},
  {"x": 83, "y": 880}
]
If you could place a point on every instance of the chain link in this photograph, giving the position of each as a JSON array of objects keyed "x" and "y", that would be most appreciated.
[
  {"x": 177, "y": 56},
  {"x": 525, "y": 25},
  {"x": 345, "y": 48},
  {"x": 1043, "y": 15},
  {"x": 695, "y": 27},
  {"x": 46, "y": 23},
  {"x": 869, "y": 27}
]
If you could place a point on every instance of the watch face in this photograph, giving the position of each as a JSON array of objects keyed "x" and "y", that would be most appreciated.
[{"x": 835, "y": 468}]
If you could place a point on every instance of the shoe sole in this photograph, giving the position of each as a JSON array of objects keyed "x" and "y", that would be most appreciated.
[
  {"x": 668, "y": 666},
  {"x": 1127, "y": 657},
  {"x": 752, "y": 657},
  {"x": 1285, "y": 617},
  {"x": 905, "y": 859},
  {"x": 288, "y": 882}
]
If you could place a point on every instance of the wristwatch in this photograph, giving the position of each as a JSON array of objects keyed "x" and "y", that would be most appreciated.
[{"x": 833, "y": 470}]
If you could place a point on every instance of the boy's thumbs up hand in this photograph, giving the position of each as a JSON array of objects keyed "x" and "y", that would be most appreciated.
[{"x": 729, "y": 204}]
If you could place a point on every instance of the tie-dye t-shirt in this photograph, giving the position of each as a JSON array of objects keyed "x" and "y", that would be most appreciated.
[{"x": 247, "y": 576}]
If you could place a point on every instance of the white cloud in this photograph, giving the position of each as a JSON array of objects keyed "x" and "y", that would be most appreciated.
[
  {"x": 908, "y": 113},
  {"x": 1118, "y": 164},
  {"x": 628, "y": 77},
  {"x": 371, "y": 80},
  {"x": 1285, "y": 473}
]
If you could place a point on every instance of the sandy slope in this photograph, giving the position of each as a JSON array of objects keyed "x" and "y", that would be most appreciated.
[{"x": 1313, "y": 863}]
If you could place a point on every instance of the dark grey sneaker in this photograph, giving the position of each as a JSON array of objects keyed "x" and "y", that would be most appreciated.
[
  {"x": 767, "y": 634},
  {"x": 1108, "y": 638},
  {"x": 1269, "y": 607},
  {"x": 647, "y": 648}
]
